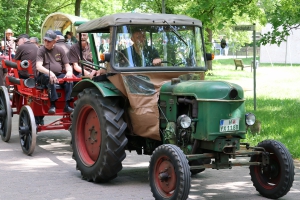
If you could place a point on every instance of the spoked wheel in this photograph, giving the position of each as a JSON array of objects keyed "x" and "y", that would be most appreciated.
[
  {"x": 98, "y": 136},
  {"x": 275, "y": 179},
  {"x": 27, "y": 130},
  {"x": 5, "y": 115},
  {"x": 169, "y": 173}
]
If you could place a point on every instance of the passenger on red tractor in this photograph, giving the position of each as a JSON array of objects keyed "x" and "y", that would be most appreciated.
[
  {"x": 74, "y": 57},
  {"x": 50, "y": 61},
  {"x": 8, "y": 45},
  {"x": 60, "y": 41},
  {"x": 26, "y": 51},
  {"x": 35, "y": 41}
]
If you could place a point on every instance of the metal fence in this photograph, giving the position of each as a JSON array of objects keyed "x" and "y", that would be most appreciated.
[{"x": 244, "y": 51}]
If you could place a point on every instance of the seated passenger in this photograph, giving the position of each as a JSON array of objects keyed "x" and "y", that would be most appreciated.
[
  {"x": 50, "y": 62},
  {"x": 139, "y": 54},
  {"x": 26, "y": 51},
  {"x": 74, "y": 56}
]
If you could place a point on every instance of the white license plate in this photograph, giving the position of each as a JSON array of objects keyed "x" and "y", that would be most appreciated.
[{"x": 227, "y": 125}]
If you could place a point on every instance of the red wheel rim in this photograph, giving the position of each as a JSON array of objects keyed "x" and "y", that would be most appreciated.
[
  {"x": 269, "y": 179},
  {"x": 165, "y": 176},
  {"x": 88, "y": 135}
]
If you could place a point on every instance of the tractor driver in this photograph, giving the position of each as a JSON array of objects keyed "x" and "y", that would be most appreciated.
[
  {"x": 50, "y": 61},
  {"x": 142, "y": 54}
]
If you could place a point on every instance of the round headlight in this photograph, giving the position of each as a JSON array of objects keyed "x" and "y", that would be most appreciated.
[
  {"x": 250, "y": 119},
  {"x": 184, "y": 121}
]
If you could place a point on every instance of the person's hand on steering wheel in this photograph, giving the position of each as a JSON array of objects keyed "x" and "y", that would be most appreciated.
[{"x": 156, "y": 62}]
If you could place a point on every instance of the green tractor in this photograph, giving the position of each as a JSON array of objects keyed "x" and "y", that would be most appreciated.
[{"x": 153, "y": 99}]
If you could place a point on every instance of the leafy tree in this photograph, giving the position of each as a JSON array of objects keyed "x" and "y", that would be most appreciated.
[
  {"x": 77, "y": 7},
  {"x": 154, "y": 6},
  {"x": 27, "y": 16},
  {"x": 283, "y": 15}
]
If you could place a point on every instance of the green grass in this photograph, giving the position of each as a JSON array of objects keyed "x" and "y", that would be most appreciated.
[{"x": 277, "y": 102}]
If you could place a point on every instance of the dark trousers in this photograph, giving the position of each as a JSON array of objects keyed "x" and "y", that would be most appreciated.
[{"x": 43, "y": 79}]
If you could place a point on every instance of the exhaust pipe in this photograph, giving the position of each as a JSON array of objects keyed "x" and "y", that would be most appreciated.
[{"x": 25, "y": 64}]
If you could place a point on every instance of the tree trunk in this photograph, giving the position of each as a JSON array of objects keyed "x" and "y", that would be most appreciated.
[
  {"x": 77, "y": 7},
  {"x": 209, "y": 63},
  {"x": 28, "y": 16}
]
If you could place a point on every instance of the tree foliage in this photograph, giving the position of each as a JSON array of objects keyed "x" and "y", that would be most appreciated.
[
  {"x": 218, "y": 16},
  {"x": 284, "y": 17},
  {"x": 27, "y": 16}
]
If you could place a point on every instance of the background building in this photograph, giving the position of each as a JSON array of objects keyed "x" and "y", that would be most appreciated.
[{"x": 288, "y": 52}]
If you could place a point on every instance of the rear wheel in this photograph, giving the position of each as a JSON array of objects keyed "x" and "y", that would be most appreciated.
[
  {"x": 27, "y": 130},
  {"x": 5, "y": 115},
  {"x": 98, "y": 137},
  {"x": 275, "y": 179},
  {"x": 169, "y": 173}
]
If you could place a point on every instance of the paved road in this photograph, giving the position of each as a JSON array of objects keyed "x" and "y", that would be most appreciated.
[{"x": 50, "y": 174}]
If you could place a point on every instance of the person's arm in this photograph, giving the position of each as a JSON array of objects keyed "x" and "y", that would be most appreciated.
[
  {"x": 18, "y": 53},
  {"x": 69, "y": 70},
  {"x": 2, "y": 45},
  {"x": 156, "y": 62},
  {"x": 156, "y": 59},
  {"x": 42, "y": 69},
  {"x": 78, "y": 69}
]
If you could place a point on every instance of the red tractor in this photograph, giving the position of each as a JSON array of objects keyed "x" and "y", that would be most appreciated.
[{"x": 30, "y": 101}]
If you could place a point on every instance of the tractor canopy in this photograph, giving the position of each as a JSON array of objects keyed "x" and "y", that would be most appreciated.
[{"x": 175, "y": 39}]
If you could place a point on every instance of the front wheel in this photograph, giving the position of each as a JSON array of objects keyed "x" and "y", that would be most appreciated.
[
  {"x": 98, "y": 136},
  {"x": 275, "y": 179},
  {"x": 169, "y": 173}
]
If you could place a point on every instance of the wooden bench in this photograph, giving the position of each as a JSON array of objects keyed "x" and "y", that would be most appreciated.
[{"x": 239, "y": 63}]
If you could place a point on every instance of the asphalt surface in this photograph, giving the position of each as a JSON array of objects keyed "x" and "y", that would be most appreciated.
[{"x": 50, "y": 174}]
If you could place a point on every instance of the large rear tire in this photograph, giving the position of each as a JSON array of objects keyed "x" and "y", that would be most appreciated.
[
  {"x": 98, "y": 137},
  {"x": 169, "y": 173},
  {"x": 275, "y": 179},
  {"x": 5, "y": 115}
]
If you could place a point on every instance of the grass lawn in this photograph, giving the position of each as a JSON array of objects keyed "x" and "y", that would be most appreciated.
[{"x": 277, "y": 99}]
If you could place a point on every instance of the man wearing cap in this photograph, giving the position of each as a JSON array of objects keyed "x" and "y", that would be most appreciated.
[
  {"x": 8, "y": 43},
  {"x": 35, "y": 41},
  {"x": 60, "y": 41},
  {"x": 50, "y": 62},
  {"x": 26, "y": 51}
]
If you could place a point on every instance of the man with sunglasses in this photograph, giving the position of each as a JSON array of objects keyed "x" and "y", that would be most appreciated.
[{"x": 50, "y": 62}]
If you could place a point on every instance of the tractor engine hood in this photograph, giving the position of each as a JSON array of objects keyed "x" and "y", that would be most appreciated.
[{"x": 204, "y": 90}]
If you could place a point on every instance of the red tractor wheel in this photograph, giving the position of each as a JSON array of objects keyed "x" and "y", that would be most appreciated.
[
  {"x": 5, "y": 115},
  {"x": 98, "y": 138},
  {"x": 169, "y": 173},
  {"x": 275, "y": 179},
  {"x": 27, "y": 130}
]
